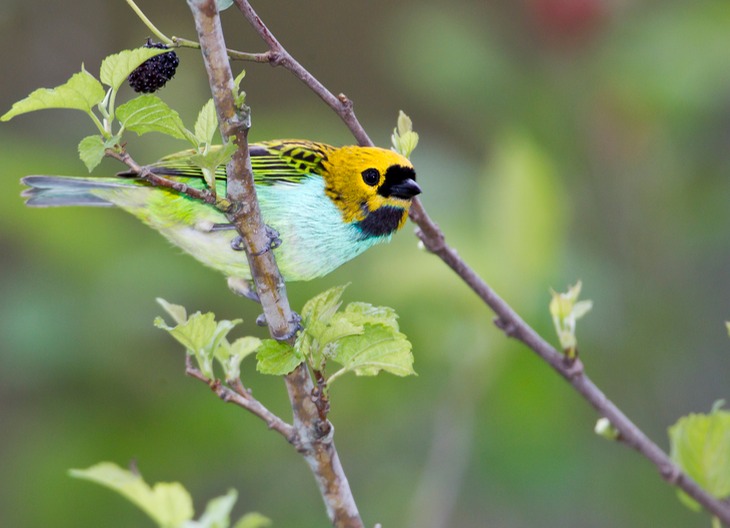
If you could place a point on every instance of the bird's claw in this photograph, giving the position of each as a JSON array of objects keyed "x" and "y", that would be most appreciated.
[
  {"x": 273, "y": 242},
  {"x": 237, "y": 244},
  {"x": 273, "y": 234}
]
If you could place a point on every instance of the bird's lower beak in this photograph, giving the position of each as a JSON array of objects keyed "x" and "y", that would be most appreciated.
[{"x": 406, "y": 189}]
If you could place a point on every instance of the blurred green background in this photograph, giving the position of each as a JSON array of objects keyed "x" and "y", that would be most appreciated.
[{"x": 560, "y": 140}]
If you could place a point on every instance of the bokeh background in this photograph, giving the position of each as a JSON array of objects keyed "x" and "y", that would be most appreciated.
[{"x": 560, "y": 140}]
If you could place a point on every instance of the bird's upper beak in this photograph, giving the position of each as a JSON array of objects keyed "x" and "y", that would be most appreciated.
[{"x": 406, "y": 189}]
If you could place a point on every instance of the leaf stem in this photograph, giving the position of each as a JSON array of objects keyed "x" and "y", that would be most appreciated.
[{"x": 147, "y": 22}]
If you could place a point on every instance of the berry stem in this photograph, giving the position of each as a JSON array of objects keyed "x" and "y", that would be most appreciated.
[{"x": 147, "y": 22}]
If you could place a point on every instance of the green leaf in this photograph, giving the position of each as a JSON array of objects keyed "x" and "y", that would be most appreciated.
[
  {"x": 253, "y": 520},
  {"x": 240, "y": 97},
  {"x": 148, "y": 113},
  {"x": 230, "y": 357},
  {"x": 322, "y": 306},
  {"x": 177, "y": 312},
  {"x": 728, "y": 327},
  {"x": 207, "y": 123},
  {"x": 201, "y": 335},
  {"x": 91, "y": 151},
  {"x": 566, "y": 309},
  {"x": 277, "y": 358},
  {"x": 217, "y": 512},
  {"x": 338, "y": 327},
  {"x": 212, "y": 159},
  {"x": 167, "y": 503},
  {"x": 361, "y": 313},
  {"x": 404, "y": 139},
  {"x": 81, "y": 92},
  {"x": 116, "y": 68},
  {"x": 379, "y": 348},
  {"x": 700, "y": 445}
]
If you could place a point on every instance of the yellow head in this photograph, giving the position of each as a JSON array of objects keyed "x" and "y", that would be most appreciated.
[{"x": 372, "y": 187}]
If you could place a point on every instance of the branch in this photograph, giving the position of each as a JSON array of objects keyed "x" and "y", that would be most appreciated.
[
  {"x": 237, "y": 394},
  {"x": 571, "y": 370},
  {"x": 314, "y": 434},
  {"x": 278, "y": 56},
  {"x": 160, "y": 181},
  {"x": 507, "y": 319}
]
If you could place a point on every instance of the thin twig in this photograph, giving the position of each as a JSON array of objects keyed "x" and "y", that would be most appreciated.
[
  {"x": 573, "y": 372},
  {"x": 278, "y": 56},
  {"x": 507, "y": 319},
  {"x": 160, "y": 181},
  {"x": 238, "y": 395}
]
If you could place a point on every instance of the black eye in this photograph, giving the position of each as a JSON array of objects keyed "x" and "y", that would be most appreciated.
[{"x": 371, "y": 176}]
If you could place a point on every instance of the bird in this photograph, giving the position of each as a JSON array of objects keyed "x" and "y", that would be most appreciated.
[{"x": 324, "y": 205}]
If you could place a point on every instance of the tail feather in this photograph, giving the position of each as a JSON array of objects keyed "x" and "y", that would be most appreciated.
[{"x": 56, "y": 191}]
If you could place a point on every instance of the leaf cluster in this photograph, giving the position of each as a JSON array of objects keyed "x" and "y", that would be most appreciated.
[
  {"x": 168, "y": 504},
  {"x": 205, "y": 339},
  {"x": 142, "y": 114},
  {"x": 360, "y": 338}
]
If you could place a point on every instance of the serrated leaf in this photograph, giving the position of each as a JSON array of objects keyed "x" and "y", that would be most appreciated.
[
  {"x": 201, "y": 335},
  {"x": 276, "y": 358},
  {"x": 253, "y": 520},
  {"x": 81, "y": 92},
  {"x": 217, "y": 512},
  {"x": 91, "y": 151},
  {"x": 167, "y": 503},
  {"x": 230, "y": 357},
  {"x": 378, "y": 348},
  {"x": 211, "y": 160},
  {"x": 361, "y": 313},
  {"x": 700, "y": 445},
  {"x": 116, "y": 68},
  {"x": 338, "y": 327},
  {"x": 176, "y": 311},
  {"x": 322, "y": 306},
  {"x": 149, "y": 113},
  {"x": 207, "y": 123}
]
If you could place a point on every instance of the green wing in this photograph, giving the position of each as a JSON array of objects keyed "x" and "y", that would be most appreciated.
[{"x": 279, "y": 161}]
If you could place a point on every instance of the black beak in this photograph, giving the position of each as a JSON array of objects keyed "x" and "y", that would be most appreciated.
[{"x": 406, "y": 189}]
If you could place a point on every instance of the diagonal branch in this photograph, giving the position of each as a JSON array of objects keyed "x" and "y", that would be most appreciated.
[
  {"x": 507, "y": 319},
  {"x": 278, "y": 56}
]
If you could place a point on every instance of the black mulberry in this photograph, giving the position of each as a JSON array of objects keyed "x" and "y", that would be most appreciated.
[{"x": 152, "y": 74}]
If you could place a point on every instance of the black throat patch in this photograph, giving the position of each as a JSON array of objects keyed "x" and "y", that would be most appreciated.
[{"x": 382, "y": 221}]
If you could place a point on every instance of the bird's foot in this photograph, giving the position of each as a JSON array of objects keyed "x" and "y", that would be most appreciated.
[
  {"x": 273, "y": 234},
  {"x": 273, "y": 242},
  {"x": 238, "y": 244}
]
